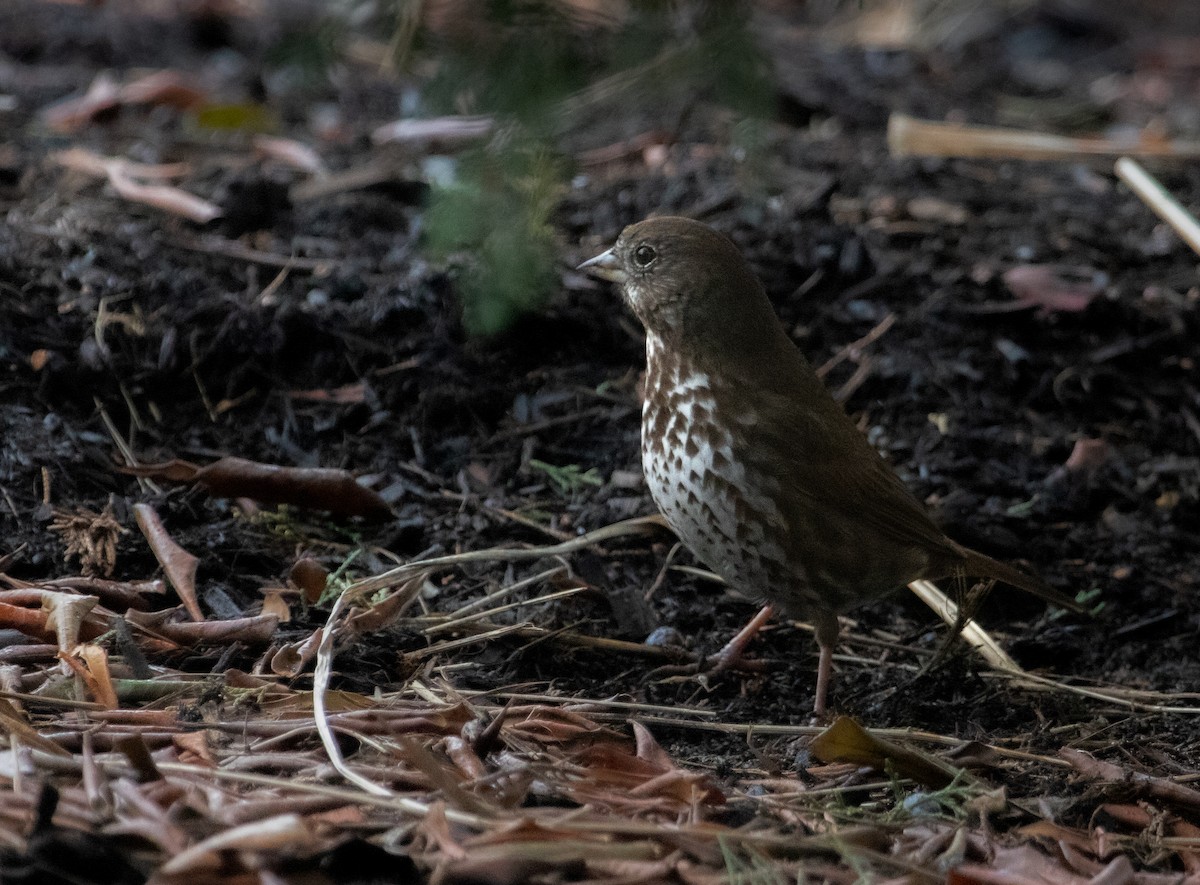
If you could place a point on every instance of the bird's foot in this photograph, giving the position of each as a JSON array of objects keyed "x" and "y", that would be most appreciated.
[{"x": 730, "y": 657}]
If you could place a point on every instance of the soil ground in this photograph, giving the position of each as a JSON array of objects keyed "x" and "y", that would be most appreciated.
[{"x": 119, "y": 313}]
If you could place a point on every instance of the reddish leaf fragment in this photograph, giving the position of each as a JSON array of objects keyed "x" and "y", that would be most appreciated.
[
  {"x": 274, "y": 604},
  {"x": 294, "y": 657},
  {"x": 1053, "y": 288},
  {"x": 1020, "y": 865},
  {"x": 169, "y": 88},
  {"x": 441, "y": 131},
  {"x": 90, "y": 663},
  {"x": 316, "y": 488},
  {"x": 1161, "y": 789},
  {"x": 347, "y": 394},
  {"x": 193, "y": 749},
  {"x": 257, "y": 630},
  {"x": 310, "y": 577},
  {"x": 1088, "y": 454},
  {"x": 73, "y": 113},
  {"x": 29, "y": 621},
  {"x": 289, "y": 152},
  {"x": 178, "y": 565},
  {"x": 163, "y": 196}
]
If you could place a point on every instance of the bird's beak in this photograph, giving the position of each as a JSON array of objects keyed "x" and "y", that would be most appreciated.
[{"x": 606, "y": 266}]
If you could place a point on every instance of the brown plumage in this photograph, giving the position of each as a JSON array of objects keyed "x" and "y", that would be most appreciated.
[{"x": 760, "y": 472}]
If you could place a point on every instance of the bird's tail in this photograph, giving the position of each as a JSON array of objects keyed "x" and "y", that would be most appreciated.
[{"x": 978, "y": 565}]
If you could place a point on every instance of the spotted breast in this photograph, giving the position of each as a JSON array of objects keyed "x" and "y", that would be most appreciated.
[{"x": 728, "y": 519}]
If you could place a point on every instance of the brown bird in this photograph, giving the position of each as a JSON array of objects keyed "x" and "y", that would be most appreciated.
[{"x": 757, "y": 468}]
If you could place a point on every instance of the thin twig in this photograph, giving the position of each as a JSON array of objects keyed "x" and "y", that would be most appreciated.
[{"x": 1165, "y": 206}]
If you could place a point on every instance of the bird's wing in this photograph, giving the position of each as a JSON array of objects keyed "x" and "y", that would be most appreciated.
[{"x": 825, "y": 467}]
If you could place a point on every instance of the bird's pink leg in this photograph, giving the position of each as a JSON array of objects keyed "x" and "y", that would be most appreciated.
[
  {"x": 731, "y": 654},
  {"x": 827, "y": 637},
  {"x": 824, "y": 677}
]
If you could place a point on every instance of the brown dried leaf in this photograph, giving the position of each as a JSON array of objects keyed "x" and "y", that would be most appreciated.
[
  {"x": 847, "y": 741},
  {"x": 90, "y": 663},
  {"x": 104, "y": 95},
  {"x": 29, "y": 621},
  {"x": 255, "y": 630},
  {"x": 162, "y": 196},
  {"x": 1162, "y": 789},
  {"x": 275, "y": 605},
  {"x": 178, "y": 565},
  {"x": 1055, "y": 289},
  {"x": 65, "y": 614},
  {"x": 14, "y": 723},
  {"x": 74, "y": 113},
  {"x": 310, "y": 577},
  {"x": 194, "y": 749},
  {"x": 289, "y": 152},
  {"x": 316, "y": 488},
  {"x": 440, "y": 131},
  {"x": 274, "y": 834},
  {"x": 1088, "y": 454},
  {"x": 291, "y": 659}
]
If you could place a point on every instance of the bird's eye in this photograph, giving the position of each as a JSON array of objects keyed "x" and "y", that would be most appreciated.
[{"x": 643, "y": 256}]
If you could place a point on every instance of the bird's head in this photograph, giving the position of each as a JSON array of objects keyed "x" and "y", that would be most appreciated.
[{"x": 686, "y": 282}]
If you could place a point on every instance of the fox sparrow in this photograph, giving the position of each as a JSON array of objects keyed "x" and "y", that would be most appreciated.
[{"x": 756, "y": 467}]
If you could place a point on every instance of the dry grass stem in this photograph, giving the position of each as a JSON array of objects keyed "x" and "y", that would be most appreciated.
[
  {"x": 908, "y": 136},
  {"x": 1165, "y": 206},
  {"x": 978, "y": 638}
]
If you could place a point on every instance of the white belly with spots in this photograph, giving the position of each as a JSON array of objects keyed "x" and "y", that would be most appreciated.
[{"x": 727, "y": 519}]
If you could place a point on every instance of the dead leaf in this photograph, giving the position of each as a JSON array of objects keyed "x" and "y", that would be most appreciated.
[
  {"x": 291, "y": 659},
  {"x": 255, "y": 630},
  {"x": 1054, "y": 288},
  {"x": 347, "y": 394},
  {"x": 847, "y": 741},
  {"x": 1162, "y": 789},
  {"x": 289, "y": 152},
  {"x": 90, "y": 663},
  {"x": 178, "y": 565},
  {"x": 434, "y": 131},
  {"x": 274, "y": 834},
  {"x": 65, "y": 614},
  {"x": 310, "y": 577},
  {"x": 14, "y": 723},
  {"x": 162, "y": 196},
  {"x": 194, "y": 749},
  {"x": 170, "y": 88},
  {"x": 1088, "y": 454},
  {"x": 315, "y": 488}
]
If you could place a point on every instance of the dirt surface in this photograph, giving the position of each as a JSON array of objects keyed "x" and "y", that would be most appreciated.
[{"x": 317, "y": 333}]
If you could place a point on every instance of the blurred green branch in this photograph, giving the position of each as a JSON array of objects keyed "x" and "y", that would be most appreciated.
[{"x": 541, "y": 67}]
